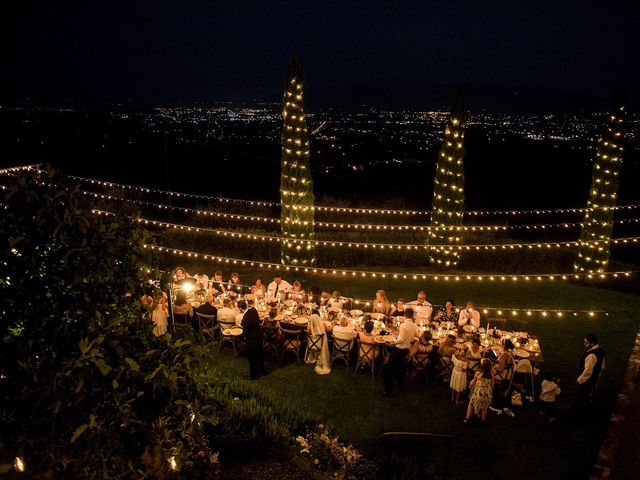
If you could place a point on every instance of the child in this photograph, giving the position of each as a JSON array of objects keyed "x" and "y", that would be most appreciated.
[
  {"x": 458, "y": 382},
  {"x": 550, "y": 390}
]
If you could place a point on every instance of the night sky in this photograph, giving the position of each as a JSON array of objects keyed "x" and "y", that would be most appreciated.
[{"x": 203, "y": 50}]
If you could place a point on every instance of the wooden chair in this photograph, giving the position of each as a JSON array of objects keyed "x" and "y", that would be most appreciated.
[
  {"x": 445, "y": 368},
  {"x": 342, "y": 350},
  {"x": 291, "y": 342},
  {"x": 208, "y": 325},
  {"x": 420, "y": 364},
  {"x": 367, "y": 355},
  {"x": 226, "y": 338},
  {"x": 314, "y": 347},
  {"x": 271, "y": 340}
]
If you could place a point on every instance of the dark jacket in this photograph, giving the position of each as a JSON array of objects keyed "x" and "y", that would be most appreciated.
[{"x": 252, "y": 328}]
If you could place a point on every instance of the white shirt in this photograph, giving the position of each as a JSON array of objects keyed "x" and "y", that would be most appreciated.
[
  {"x": 589, "y": 363},
  {"x": 408, "y": 330},
  {"x": 343, "y": 333},
  {"x": 284, "y": 287},
  {"x": 226, "y": 315},
  {"x": 422, "y": 311},
  {"x": 474, "y": 316}
]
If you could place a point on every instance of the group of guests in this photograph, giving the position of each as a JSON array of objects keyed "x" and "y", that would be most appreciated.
[{"x": 423, "y": 310}]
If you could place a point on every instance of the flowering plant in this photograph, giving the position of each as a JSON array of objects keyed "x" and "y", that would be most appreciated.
[{"x": 325, "y": 452}]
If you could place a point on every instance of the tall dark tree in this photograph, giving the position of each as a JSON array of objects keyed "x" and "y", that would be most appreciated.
[
  {"x": 296, "y": 184},
  {"x": 447, "y": 207},
  {"x": 595, "y": 236}
]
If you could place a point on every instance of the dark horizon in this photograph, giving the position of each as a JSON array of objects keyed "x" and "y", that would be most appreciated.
[{"x": 165, "y": 53}]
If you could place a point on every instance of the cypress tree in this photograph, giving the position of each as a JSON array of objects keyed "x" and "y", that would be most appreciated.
[
  {"x": 296, "y": 184},
  {"x": 595, "y": 235},
  {"x": 447, "y": 207}
]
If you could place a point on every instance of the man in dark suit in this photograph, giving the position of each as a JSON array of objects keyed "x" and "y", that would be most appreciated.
[
  {"x": 252, "y": 331},
  {"x": 208, "y": 308}
]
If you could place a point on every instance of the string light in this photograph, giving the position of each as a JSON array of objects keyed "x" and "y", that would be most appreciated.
[
  {"x": 342, "y": 226},
  {"x": 333, "y": 209},
  {"x": 364, "y": 245},
  {"x": 345, "y": 273}
]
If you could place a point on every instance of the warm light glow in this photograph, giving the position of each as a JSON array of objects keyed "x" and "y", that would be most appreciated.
[{"x": 19, "y": 465}]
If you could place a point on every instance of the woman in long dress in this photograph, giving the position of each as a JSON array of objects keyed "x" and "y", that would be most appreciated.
[
  {"x": 482, "y": 391},
  {"x": 321, "y": 357},
  {"x": 159, "y": 315}
]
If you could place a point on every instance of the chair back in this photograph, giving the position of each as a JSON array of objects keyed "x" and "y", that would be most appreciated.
[
  {"x": 366, "y": 351},
  {"x": 314, "y": 342},
  {"x": 342, "y": 350},
  {"x": 207, "y": 324},
  {"x": 523, "y": 366},
  {"x": 291, "y": 341}
]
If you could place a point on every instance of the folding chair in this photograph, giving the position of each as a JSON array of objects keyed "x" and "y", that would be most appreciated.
[
  {"x": 207, "y": 325},
  {"x": 314, "y": 347},
  {"x": 525, "y": 368},
  {"x": 367, "y": 355},
  {"x": 342, "y": 350},
  {"x": 291, "y": 342}
]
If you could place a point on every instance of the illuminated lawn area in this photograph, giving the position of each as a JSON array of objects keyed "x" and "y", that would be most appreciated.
[{"x": 524, "y": 446}]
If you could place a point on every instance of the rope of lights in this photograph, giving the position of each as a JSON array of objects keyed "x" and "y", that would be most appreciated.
[
  {"x": 327, "y": 208},
  {"x": 344, "y": 273},
  {"x": 349, "y": 226},
  {"x": 364, "y": 245}
]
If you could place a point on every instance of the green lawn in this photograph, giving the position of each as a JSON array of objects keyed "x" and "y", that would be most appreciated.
[{"x": 522, "y": 447}]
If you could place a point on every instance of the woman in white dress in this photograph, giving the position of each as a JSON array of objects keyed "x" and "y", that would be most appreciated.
[
  {"x": 321, "y": 357},
  {"x": 458, "y": 382},
  {"x": 159, "y": 314}
]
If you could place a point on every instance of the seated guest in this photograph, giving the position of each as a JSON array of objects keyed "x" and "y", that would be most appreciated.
[
  {"x": 297, "y": 294},
  {"x": 208, "y": 308},
  {"x": 447, "y": 313},
  {"x": 422, "y": 309},
  {"x": 398, "y": 309},
  {"x": 366, "y": 338},
  {"x": 218, "y": 284},
  {"x": 278, "y": 287},
  {"x": 469, "y": 316},
  {"x": 234, "y": 284},
  {"x": 181, "y": 306},
  {"x": 258, "y": 289},
  {"x": 380, "y": 304},
  {"x": 344, "y": 330},
  {"x": 505, "y": 360},
  {"x": 226, "y": 314},
  {"x": 335, "y": 302},
  {"x": 448, "y": 347},
  {"x": 474, "y": 354},
  {"x": 423, "y": 345}
]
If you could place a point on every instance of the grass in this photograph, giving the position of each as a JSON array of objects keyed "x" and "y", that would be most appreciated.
[{"x": 524, "y": 446}]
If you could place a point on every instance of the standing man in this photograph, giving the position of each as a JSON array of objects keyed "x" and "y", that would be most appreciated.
[
  {"x": 397, "y": 364},
  {"x": 591, "y": 365},
  {"x": 252, "y": 331},
  {"x": 422, "y": 308},
  {"x": 278, "y": 287}
]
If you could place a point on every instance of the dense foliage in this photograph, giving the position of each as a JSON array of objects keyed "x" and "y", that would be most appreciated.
[{"x": 88, "y": 391}]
